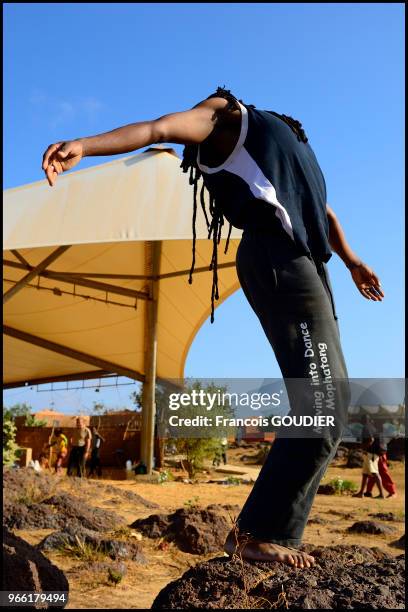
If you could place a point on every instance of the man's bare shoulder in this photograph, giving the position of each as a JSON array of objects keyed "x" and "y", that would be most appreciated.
[{"x": 222, "y": 110}]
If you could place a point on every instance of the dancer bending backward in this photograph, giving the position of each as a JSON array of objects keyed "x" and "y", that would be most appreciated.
[{"x": 263, "y": 177}]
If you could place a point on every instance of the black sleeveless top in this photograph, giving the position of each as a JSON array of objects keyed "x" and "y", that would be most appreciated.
[{"x": 272, "y": 179}]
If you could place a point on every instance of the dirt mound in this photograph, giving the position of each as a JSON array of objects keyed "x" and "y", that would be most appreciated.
[
  {"x": 130, "y": 496},
  {"x": 396, "y": 449},
  {"x": 317, "y": 520},
  {"x": 400, "y": 543},
  {"x": 68, "y": 536},
  {"x": 355, "y": 458},
  {"x": 114, "y": 501},
  {"x": 370, "y": 527},
  {"x": 27, "y": 486},
  {"x": 326, "y": 489},
  {"x": 77, "y": 535},
  {"x": 341, "y": 454},
  {"x": 344, "y": 577},
  {"x": 257, "y": 458},
  {"x": 74, "y": 509},
  {"x": 26, "y": 569},
  {"x": 120, "y": 549},
  {"x": 385, "y": 516},
  {"x": 36, "y": 516},
  {"x": 193, "y": 530},
  {"x": 59, "y": 511},
  {"x": 346, "y": 515}
]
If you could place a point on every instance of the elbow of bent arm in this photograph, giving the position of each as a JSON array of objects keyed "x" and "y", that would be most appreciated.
[{"x": 161, "y": 130}]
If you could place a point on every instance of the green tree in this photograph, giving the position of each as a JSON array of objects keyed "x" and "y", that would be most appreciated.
[
  {"x": 22, "y": 410},
  {"x": 16, "y": 410},
  {"x": 10, "y": 447},
  {"x": 196, "y": 449},
  {"x": 31, "y": 421},
  {"x": 99, "y": 408}
]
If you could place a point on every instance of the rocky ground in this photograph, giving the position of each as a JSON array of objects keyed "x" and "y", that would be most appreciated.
[
  {"x": 122, "y": 544},
  {"x": 194, "y": 530},
  {"x": 344, "y": 577},
  {"x": 26, "y": 569}
]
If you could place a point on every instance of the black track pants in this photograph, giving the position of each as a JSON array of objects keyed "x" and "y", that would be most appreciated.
[{"x": 291, "y": 295}]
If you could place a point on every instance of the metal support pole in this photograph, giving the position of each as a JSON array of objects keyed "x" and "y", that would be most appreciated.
[
  {"x": 149, "y": 386},
  {"x": 34, "y": 272},
  {"x": 102, "y": 364}
]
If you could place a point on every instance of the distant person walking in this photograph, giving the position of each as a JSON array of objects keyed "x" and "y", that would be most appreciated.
[
  {"x": 386, "y": 479},
  {"x": 95, "y": 461},
  {"x": 221, "y": 453},
  {"x": 224, "y": 448},
  {"x": 80, "y": 446},
  {"x": 60, "y": 443},
  {"x": 371, "y": 448}
]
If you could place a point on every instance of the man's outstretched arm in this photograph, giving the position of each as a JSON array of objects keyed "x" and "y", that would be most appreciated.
[
  {"x": 365, "y": 279},
  {"x": 189, "y": 127}
]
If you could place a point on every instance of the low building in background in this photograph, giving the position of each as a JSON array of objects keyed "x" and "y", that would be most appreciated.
[{"x": 121, "y": 431}]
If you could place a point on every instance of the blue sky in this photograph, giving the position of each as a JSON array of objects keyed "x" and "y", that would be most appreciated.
[{"x": 73, "y": 70}]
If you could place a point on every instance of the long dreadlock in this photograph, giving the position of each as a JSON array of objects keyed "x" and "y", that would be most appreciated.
[{"x": 214, "y": 227}]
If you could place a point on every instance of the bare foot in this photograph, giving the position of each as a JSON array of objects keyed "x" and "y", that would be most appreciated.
[
  {"x": 391, "y": 495},
  {"x": 255, "y": 550},
  {"x": 357, "y": 495}
]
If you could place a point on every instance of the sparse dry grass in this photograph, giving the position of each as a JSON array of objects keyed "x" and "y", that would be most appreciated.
[
  {"x": 33, "y": 494},
  {"x": 82, "y": 551},
  {"x": 89, "y": 587}
]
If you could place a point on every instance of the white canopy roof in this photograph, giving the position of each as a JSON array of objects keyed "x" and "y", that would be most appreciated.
[{"x": 83, "y": 313}]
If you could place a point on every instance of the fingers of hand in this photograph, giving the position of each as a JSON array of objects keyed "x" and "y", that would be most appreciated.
[
  {"x": 370, "y": 292},
  {"x": 373, "y": 295},
  {"x": 46, "y": 157},
  {"x": 54, "y": 168},
  {"x": 374, "y": 288},
  {"x": 57, "y": 166},
  {"x": 364, "y": 292},
  {"x": 51, "y": 174},
  {"x": 377, "y": 292},
  {"x": 377, "y": 285},
  {"x": 63, "y": 151}
]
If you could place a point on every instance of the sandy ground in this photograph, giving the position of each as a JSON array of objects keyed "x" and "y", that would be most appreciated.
[{"x": 89, "y": 588}]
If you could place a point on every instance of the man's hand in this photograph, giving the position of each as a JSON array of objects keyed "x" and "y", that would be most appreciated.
[
  {"x": 60, "y": 157},
  {"x": 367, "y": 282},
  {"x": 365, "y": 279}
]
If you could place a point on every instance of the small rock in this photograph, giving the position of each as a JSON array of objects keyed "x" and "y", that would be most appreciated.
[
  {"x": 72, "y": 535},
  {"x": 26, "y": 569},
  {"x": 75, "y": 535},
  {"x": 317, "y": 520},
  {"x": 118, "y": 549},
  {"x": 384, "y": 516},
  {"x": 355, "y": 458},
  {"x": 326, "y": 489},
  {"x": 193, "y": 530},
  {"x": 396, "y": 449},
  {"x": 399, "y": 543},
  {"x": 371, "y": 527}
]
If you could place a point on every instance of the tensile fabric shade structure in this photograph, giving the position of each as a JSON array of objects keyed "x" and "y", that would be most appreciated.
[{"x": 95, "y": 276}]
